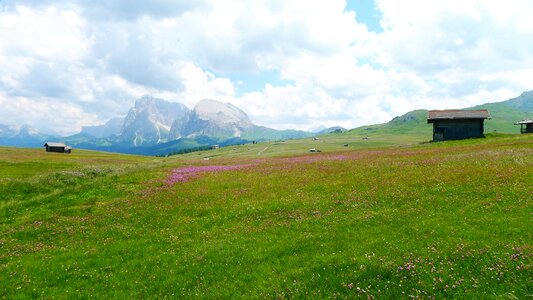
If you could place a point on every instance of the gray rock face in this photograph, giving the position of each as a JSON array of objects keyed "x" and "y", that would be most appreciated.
[
  {"x": 153, "y": 121},
  {"x": 212, "y": 118},
  {"x": 110, "y": 128},
  {"x": 150, "y": 120},
  {"x": 179, "y": 127}
]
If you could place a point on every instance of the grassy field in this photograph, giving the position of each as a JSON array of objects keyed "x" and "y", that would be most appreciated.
[
  {"x": 381, "y": 218},
  {"x": 362, "y": 138}
]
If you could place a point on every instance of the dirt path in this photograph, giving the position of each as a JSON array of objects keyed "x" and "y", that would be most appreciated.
[{"x": 259, "y": 153}]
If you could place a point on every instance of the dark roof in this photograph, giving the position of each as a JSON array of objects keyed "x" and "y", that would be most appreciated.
[
  {"x": 524, "y": 122},
  {"x": 453, "y": 114},
  {"x": 53, "y": 144}
]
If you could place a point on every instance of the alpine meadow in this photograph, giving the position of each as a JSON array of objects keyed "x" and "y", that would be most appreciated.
[
  {"x": 295, "y": 149},
  {"x": 440, "y": 220}
]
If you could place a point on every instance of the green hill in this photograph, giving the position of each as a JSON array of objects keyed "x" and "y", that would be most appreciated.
[
  {"x": 414, "y": 122},
  {"x": 504, "y": 115},
  {"x": 503, "y": 118},
  {"x": 523, "y": 103}
]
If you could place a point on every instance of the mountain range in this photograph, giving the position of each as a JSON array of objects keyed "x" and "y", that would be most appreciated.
[
  {"x": 154, "y": 127},
  {"x": 20, "y": 136}
]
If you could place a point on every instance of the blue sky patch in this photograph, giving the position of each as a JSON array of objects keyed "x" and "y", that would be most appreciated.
[
  {"x": 366, "y": 13},
  {"x": 246, "y": 82}
]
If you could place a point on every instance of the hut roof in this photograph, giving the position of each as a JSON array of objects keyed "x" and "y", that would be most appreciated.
[
  {"x": 54, "y": 144},
  {"x": 453, "y": 114},
  {"x": 524, "y": 122}
]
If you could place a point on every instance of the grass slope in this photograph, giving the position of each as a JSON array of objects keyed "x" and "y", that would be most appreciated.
[
  {"x": 504, "y": 115},
  {"x": 503, "y": 118},
  {"x": 523, "y": 102},
  {"x": 410, "y": 129},
  {"x": 445, "y": 220},
  {"x": 261, "y": 133}
]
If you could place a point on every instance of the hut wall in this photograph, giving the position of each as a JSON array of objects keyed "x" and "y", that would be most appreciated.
[
  {"x": 457, "y": 129},
  {"x": 529, "y": 128},
  {"x": 55, "y": 149}
]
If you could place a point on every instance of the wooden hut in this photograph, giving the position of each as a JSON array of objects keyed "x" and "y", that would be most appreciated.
[
  {"x": 526, "y": 126},
  {"x": 457, "y": 124},
  {"x": 57, "y": 147}
]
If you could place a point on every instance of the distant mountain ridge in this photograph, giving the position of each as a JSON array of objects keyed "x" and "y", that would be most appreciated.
[
  {"x": 20, "y": 136},
  {"x": 110, "y": 128},
  {"x": 334, "y": 129},
  {"x": 155, "y": 126}
]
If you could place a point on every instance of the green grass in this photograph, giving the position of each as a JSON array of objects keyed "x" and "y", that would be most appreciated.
[
  {"x": 386, "y": 217},
  {"x": 334, "y": 142},
  {"x": 503, "y": 118},
  {"x": 24, "y": 163}
]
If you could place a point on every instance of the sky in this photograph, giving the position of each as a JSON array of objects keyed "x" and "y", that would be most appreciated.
[{"x": 300, "y": 64}]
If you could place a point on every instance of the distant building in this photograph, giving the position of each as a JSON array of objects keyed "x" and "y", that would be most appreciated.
[
  {"x": 526, "y": 126},
  {"x": 215, "y": 147},
  {"x": 456, "y": 124},
  {"x": 57, "y": 147}
]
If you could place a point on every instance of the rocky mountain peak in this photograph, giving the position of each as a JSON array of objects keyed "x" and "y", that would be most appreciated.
[
  {"x": 144, "y": 101},
  {"x": 150, "y": 120},
  {"x": 21, "y": 131},
  {"x": 147, "y": 101},
  {"x": 27, "y": 130},
  {"x": 212, "y": 118},
  {"x": 222, "y": 113},
  {"x": 20, "y": 136}
]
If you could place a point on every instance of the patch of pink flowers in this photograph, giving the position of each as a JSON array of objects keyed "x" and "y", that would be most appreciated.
[
  {"x": 314, "y": 158},
  {"x": 186, "y": 173}
]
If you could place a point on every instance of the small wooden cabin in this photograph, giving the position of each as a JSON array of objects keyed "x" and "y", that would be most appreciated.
[
  {"x": 57, "y": 147},
  {"x": 526, "y": 126},
  {"x": 457, "y": 124}
]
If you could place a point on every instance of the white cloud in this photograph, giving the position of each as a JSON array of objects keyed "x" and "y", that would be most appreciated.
[
  {"x": 91, "y": 59},
  {"x": 43, "y": 39},
  {"x": 49, "y": 34},
  {"x": 466, "y": 36},
  {"x": 199, "y": 84},
  {"x": 44, "y": 113}
]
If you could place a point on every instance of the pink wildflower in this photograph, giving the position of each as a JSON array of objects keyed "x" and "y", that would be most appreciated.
[{"x": 185, "y": 173}]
